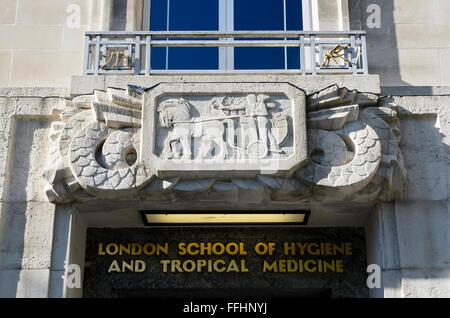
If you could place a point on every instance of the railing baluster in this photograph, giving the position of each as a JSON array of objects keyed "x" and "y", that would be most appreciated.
[
  {"x": 137, "y": 55},
  {"x": 87, "y": 49},
  {"x": 313, "y": 55},
  {"x": 302, "y": 54},
  {"x": 97, "y": 54},
  {"x": 148, "y": 52},
  {"x": 353, "y": 52},
  {"x": 364, "y": 54}
]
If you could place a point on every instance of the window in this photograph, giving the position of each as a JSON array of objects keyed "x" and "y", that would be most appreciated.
[{"x": 225, "y": 15}]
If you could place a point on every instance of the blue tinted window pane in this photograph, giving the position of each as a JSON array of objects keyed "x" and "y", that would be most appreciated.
[
  {"x": 294, "y": 19},
  {"x": 191, "y": 15},
  {"x": 158, "y": 19},
  {"x": 194, "y": 15},
  {"x": 293, "y": 58},
  {"x": 197, "y": 58},
  {"x": 266, "y": 15},
  {"x": 258, "y": 15},
  {"x": 265, "y": 58},
  {"x": 158, "y": 58}
]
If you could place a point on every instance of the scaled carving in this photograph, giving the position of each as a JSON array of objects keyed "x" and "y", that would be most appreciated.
[{"x": 204, "y": 142}]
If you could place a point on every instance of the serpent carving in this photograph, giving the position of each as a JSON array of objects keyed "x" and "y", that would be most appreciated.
[
  {"x": 96, "y": 141},
  {"x": 333, "y": 169}
]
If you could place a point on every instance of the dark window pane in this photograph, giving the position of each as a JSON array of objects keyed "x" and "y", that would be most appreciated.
[
  {"x": 158, "y": 58},
  {"x": 265, "y": 58},
  {"x": 158, "y": 19},
  {"x": 258, "y": 15},
  {"x": 195, "y": 58},
  {"x": 294, "y": 18},
  {"x": 293, "y": 58},
  {"x": 194, "y": 15}
]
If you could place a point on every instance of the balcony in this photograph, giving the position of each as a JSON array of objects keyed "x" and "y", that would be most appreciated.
[{"x": 320, "y": 52}]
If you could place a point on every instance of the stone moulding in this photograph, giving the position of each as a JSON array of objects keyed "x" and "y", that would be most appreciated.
[{"x": 213, "y": 141}]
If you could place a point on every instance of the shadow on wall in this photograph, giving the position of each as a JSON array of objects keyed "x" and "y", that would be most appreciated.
[
  {"x": 13, "y": 214},
  {"x": 382, "y": 45},
  {"x": 118, "y": 16},
  {"x": 409, "y": 239},
  {"x": 20, "y": 204}
]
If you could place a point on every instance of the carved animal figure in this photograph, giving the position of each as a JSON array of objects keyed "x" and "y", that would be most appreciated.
[{"x": 177, "y": 116}]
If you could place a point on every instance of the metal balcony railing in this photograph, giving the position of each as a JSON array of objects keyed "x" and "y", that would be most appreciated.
[{"x": 321, "y": 52}]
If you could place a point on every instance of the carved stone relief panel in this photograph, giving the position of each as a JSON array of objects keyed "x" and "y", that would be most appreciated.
[
  {"x": 226, "y": 142},
  {"x": 235, "y": 130}
]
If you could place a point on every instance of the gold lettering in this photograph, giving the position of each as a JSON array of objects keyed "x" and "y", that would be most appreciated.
[
  {"x": 149, "y": 249},
  {"x": 191, "y": 268},
  {"x": 215, "y": 251},
  {"x": 244, "y": 269},
  {"x": 302, "y": 247},
  {"x": 338, "y": 248},
  {"x": 189, "y": 248},
  {"x": 128, "y": 266},
  {"x": 100, "y": 249},
  {"x": 112, "y": 249},
  {"x": 164, "y": 249},
  {"x": 217, "y": 269},
  {"x": 136, "y": 249},
  {"x": 165, "y": 263},
  {"x": 339, "y": 266},
  {"x": 232, "y": 267},
  {"x": 309, "y": 269},
  {"x": 327, "y": 265},
  {"x": 289, "y": 248},
  {"x": 175, "y": 265},
  {"x": 242, "y": 250},
  {"x": 292, "y": 266},
  {"x": 140, "y": 266},
  {"x": 282, "y": 266},
  {"x": 114, "y": 267},
  {"x": 232, "y": 251},
  {"x": 270, "y": 268},
  {"x": 200, "y": 263},
  {"x": 348, "y": 248},
  {"x": 182, "y": 249},
  {"x": 123, "y": 248},
  {"x": 261, "y": 248},
  {"x": 206, "y": 248},
  {"x": 312, "y": 251}
]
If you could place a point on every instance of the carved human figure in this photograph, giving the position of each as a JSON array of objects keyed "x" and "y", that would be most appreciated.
[{"x": 257, "y": 124}]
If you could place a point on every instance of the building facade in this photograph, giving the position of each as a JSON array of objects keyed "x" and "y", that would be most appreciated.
[{"x": 319, "y": 120}]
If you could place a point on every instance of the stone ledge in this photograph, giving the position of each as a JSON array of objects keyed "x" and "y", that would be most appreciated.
[
  {"x": 82, "y": 85},
  {"x": 33, "y": 92}
]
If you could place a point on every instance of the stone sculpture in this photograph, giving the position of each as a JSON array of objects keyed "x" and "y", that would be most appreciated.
[{"x": 119, "y": 145}]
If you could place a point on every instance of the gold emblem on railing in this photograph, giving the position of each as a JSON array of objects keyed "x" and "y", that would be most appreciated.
[
  {"x": 336, "y": 53},
  {"x": 114, "y": 59}
]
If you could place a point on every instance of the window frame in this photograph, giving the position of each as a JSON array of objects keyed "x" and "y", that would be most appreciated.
[{"x": 226, "y": 23}]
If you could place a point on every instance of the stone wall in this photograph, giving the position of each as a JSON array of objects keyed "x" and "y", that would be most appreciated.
[
  {"x": 408, "y": 239},
  {"x": 412, "y": 46},
  {"x": 38, "y": 46}
]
